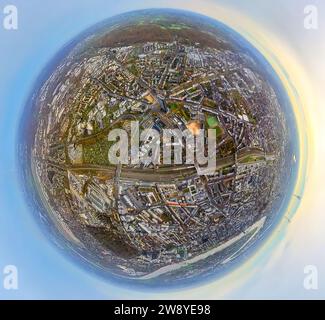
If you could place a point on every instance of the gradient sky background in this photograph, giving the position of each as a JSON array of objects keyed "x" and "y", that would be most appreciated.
[{"x": 274, "y": 26}]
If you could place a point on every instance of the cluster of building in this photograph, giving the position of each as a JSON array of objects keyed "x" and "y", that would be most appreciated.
[{"x": 144, "y": 217}]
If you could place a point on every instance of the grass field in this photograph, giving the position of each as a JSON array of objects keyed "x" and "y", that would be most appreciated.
[
  {"x": 213, "y": 123},
  {"x": 178, "y": 108}
]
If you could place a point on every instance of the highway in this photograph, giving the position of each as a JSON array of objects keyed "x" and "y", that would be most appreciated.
[{"x": 163, "y": 174}]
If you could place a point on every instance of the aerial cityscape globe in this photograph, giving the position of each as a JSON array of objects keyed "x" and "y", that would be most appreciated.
[{"x": 147, "y": 73}]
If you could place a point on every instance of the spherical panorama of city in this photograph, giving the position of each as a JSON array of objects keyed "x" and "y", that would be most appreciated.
[{"x": 158, "y": 148}]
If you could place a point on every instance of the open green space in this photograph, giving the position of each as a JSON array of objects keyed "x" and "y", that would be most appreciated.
[
  {"x": 178, "y": 108},
  {"x": 251, "y": 159},
  {"x": 213, "y": 123},
  {"x": 97, "y": 153}
]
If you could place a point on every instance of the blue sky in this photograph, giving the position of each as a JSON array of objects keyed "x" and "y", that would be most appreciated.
[{"x": 43, "y": 28}]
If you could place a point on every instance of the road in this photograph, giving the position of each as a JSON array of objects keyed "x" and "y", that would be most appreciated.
[{"x": 163, "y": 174}]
